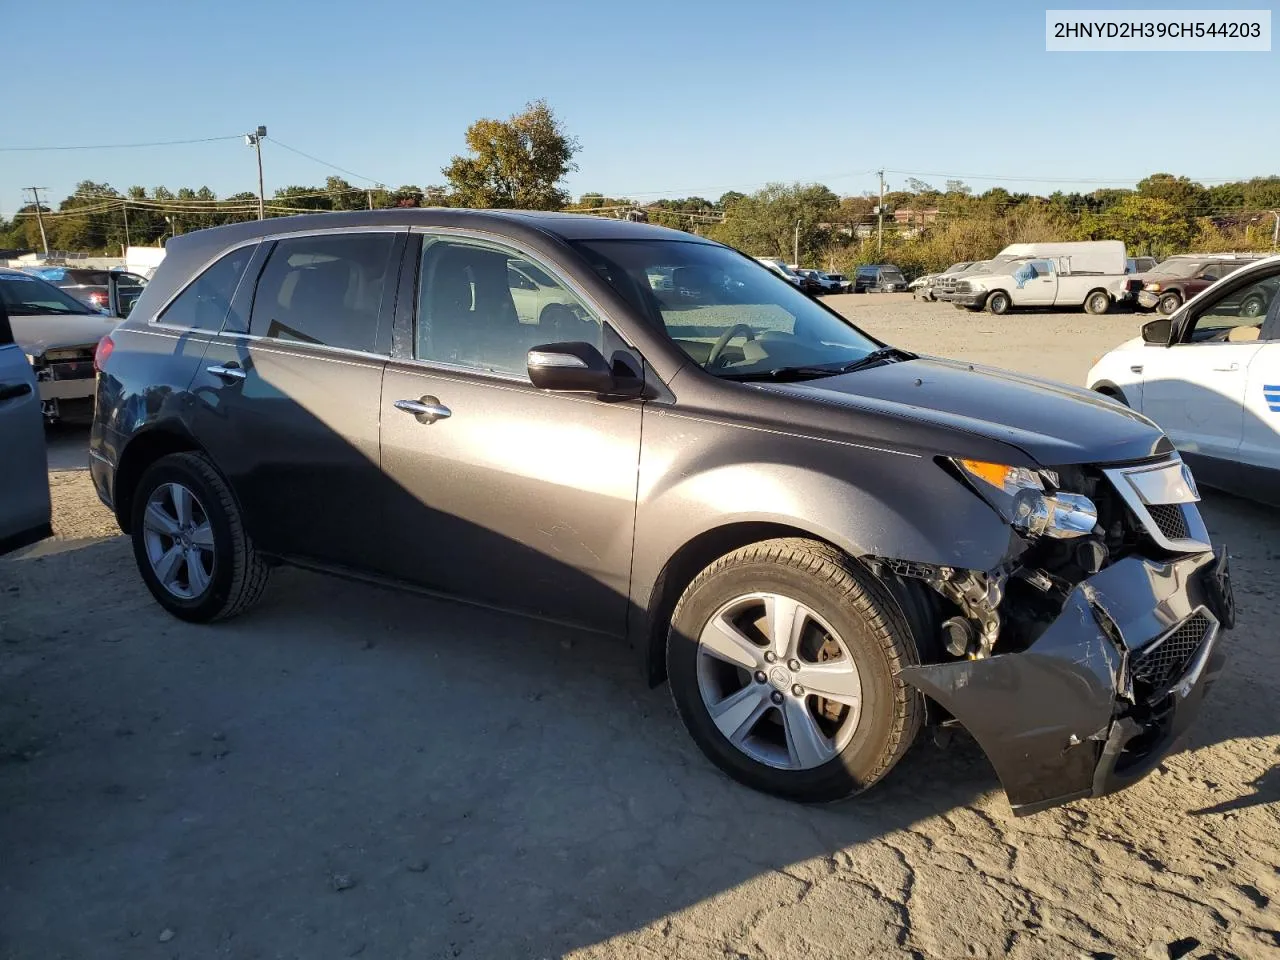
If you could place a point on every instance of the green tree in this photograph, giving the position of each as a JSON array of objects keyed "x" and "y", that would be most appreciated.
[
  {"x": 516, "y": 163},
  {"x": 1147, "y": 225},
  {"x": 764, "y": 224}
]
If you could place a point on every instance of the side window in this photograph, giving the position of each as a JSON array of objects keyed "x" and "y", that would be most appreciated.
[
  {"x": 6, "y": 331},
  {"x": 205, "y": 303},
  {"x": 1240, "y": 312},
  {"x": 483, "y": 306},
  {"x": 325, "y": 289}
]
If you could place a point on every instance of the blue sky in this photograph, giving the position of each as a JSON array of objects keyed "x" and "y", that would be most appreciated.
[{"x": 668, "y": 98}]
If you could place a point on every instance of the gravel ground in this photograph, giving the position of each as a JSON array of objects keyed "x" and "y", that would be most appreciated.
[{"x": 349, "y": 772}]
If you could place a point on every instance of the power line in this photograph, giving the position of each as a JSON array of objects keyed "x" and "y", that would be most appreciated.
[
  {"x": 117, "y": 146},
  {"x": 324, "y": 163}
]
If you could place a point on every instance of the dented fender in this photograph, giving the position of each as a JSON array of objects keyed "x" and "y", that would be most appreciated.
[{"x": 1054, "y": 719}]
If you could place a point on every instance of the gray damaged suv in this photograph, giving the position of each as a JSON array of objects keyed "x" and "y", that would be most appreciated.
[{"x": 823, "y": 542}]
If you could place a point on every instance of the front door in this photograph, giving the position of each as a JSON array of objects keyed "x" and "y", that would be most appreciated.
[
  {"x": 504, "y": 494},
  {"x": 1036, "y": 284},
  {"x": 1196, "y": 389},
  {"x": 24, "y": 480},
  {"x": 289, "y": 405}
]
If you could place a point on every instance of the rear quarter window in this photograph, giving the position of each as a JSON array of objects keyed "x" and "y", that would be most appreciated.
[{"x": 207, "y": 300}]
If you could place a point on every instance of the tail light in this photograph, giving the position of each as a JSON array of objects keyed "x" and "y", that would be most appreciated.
[
  {"x": 103, "y": 353},
  {"x": 98, "y": 299}
]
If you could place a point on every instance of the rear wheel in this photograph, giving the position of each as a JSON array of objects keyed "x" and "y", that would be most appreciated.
[
  {"x": 785, "y": 661},
  {"x": 999, "y": 302},
  {"x": 190, "y": 543},
  {"x": 1097, "y": 303},
  {"x": 1253, "y": 307},
  {"x": 1169, "y": 303}
]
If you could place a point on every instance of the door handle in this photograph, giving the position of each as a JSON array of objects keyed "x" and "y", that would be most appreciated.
[
  {"x": 425, "y": 409},
  {"x": 1227, "y": 369},
  {"x": 228, "y": 371},
  {"x": 1136, "y": 368},
  {"x": 12, "y": 391}
]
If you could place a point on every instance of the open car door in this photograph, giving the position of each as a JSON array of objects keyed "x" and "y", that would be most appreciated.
[{"x": 24, "y": 477}]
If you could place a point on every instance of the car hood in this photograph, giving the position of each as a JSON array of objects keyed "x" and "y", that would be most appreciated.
[
  {"x": 36, "y": 334},
  {"x": 1052, "y": 423}
]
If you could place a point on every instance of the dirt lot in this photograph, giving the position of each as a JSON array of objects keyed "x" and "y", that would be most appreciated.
[{"x": 351, "y": 772}]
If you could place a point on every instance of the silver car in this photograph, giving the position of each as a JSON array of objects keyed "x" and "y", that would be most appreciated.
[{"x": 59, "y": 335}]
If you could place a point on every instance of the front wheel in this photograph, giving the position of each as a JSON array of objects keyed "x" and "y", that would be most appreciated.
[
  {"x": 190, "y": 543},
  {"x": 999, "y": 303},
  {"x": 1097, "y": 303},
  {"x": 1253, "y": 307},
  {"x": 785, "y": 660},
  {"x": 1169, "y": 303}
]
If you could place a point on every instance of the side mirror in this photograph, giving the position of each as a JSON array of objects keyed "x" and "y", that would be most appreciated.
[
  {"x": 1158, "y": 332},
  {"x": 578, "y": 367}
]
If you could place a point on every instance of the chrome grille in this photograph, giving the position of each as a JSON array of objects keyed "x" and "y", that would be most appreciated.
[
  {"x": 1157, "y": 666},
  {"x": 1170, "y": 520}
]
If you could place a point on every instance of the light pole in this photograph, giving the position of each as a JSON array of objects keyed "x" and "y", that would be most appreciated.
[
  {"x": 1275, "y": 234},
  {"x": 255, "y": 140}
]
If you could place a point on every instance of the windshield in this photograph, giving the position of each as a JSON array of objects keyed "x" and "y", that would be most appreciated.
[
  {"x": 1178, "y": 268},
  {"x": 728, "y": 313},
  {"x": 25, "y": 296},
  {"x": 891, "y": 273}
]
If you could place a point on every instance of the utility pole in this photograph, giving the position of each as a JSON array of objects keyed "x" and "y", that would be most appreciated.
[
  {"x": 255, "y": 140},
  {"x": 880, "y": 212},
  {"x": 125, "y": 208},
  {"x": 44, "y": 238},
  {"x": 1275, "y": 234},
  {"x": 795, "y": 250}
]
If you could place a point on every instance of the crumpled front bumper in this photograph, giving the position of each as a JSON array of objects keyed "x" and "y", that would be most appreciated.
[{"x": 1099, "y": 699}]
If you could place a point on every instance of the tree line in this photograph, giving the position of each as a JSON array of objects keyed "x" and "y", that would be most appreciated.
[{"x": 521, "y": 163}]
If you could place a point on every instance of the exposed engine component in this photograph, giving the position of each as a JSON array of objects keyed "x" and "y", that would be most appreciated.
[{"x": 959, "y": 636}]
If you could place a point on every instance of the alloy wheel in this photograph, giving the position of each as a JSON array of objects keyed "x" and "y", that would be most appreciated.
[
  {"x": 778, "y": 682},
  {"x": 179, "y": 540}
]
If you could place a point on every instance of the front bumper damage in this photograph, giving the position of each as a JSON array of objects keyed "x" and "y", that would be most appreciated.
[{"x": 1100, "y": 697}]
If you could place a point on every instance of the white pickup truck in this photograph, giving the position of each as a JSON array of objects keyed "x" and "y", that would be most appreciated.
[{"x": 1090, "y": 274}]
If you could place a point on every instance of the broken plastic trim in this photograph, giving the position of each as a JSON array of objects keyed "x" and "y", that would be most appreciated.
[{"x": 1044, "y": 715}]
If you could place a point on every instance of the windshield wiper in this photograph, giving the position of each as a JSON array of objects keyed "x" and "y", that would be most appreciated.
[
  {"x": 878, "y": 357},
  {"x": 783, "y": 374}
]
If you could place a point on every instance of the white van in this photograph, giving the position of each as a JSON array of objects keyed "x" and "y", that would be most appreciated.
[{"x": 1089, "y": 274}]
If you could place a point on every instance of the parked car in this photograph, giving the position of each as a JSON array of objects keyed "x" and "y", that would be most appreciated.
[
  {"x": 1179, "y": 278},
  {"x": 823, "y": 283},
  {"x": 843, "y": 283},
  {"x": 881, "y": 277},
  {"x": 59, "y": 334},
  {"x": 923, "y": 286},
  {"x": 823, "y": 542},
  {"x": 784, "y": 271},
  {"x": 1210, "y": 377},
  {"x": 113, "y": 291},
  {"x": 24, "y": 479}
]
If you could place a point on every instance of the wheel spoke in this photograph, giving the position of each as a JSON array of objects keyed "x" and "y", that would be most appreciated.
[
  {"x": 202, "y": 536},
  {"x": 721, "y": 639},
  {"x": 158, "y": 520},
  {"x": 835, "y": 680},
  {"x": 807, "y": 746},
  {"x": 181, "y": 503},
  {"x": 786, "y": 619},
  {"x": 166, "y": 567},
  {"x": 737, "y": 713},
  {"x": 197, "y": 578}
]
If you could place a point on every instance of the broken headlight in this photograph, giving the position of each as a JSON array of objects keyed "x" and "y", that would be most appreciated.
[{"x": 1021, "y": 497}]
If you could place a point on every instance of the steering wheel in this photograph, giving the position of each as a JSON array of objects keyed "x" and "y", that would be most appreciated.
[{"x": 737, "y": 330}]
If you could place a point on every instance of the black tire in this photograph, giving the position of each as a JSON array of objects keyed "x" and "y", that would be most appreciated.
[
  {"x": 238, "y": 575},
  {"x": 875, "y": 634},
  {"x": 1169, "y": 303},
  {"x": 999, "y": 303},
  {"x": 1097, "y": 303},
  {"x": 1253, "y": 307}
]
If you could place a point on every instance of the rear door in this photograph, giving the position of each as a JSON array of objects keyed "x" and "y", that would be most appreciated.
[
  {"x": 24, "y": 478},
  {"x": 289, "y": 406}
]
